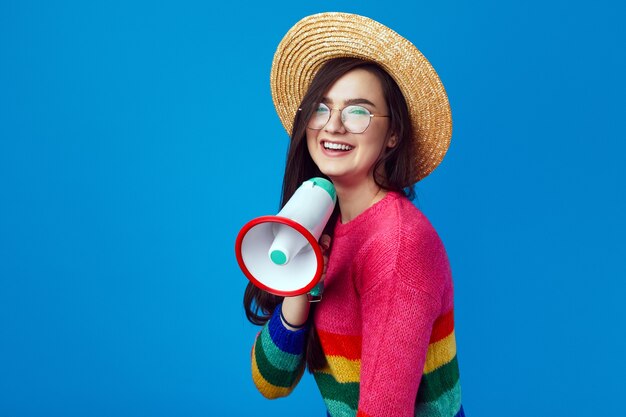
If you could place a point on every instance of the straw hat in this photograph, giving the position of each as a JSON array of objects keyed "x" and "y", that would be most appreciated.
[{"x": 321, "y": 37}]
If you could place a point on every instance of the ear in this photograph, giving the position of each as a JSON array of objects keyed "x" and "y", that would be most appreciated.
[{"x": 392, "y": 141}]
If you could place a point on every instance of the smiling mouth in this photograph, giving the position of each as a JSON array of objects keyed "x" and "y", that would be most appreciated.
[{"x": 333, "y": 146}]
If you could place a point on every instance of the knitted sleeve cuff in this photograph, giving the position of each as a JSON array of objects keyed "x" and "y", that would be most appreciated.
[{"x": 290, "y": 341}]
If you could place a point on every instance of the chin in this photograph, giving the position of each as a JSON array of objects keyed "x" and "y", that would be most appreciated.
[{"x": 331, "y": 172}]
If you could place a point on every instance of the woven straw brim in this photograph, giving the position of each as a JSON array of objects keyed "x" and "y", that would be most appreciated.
[{"x": 321, "y": 37}]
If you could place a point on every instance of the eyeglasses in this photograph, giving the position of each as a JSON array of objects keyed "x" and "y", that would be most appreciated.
[{"x": 356, "y": 119}]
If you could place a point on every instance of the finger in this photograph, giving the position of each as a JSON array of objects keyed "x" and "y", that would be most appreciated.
[
  {"x": 325, "y": 242},
  {"x": 324, "y": 268}
]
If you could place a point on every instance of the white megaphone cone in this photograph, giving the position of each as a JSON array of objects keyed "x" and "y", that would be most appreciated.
[{"x": 280, "y": 254}]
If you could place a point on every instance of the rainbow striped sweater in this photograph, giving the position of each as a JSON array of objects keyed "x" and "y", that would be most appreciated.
[{"x": 385, "y": 324}]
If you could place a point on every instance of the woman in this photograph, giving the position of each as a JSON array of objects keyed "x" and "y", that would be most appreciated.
[{"x": 367, "y": 111}]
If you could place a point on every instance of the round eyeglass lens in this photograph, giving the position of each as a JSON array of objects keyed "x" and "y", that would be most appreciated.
[
  {"x": 356, "y": 118},
  {"x": 320, "y": 117}
]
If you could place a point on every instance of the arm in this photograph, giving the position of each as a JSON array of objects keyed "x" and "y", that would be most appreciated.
[
  {"x": 277, "y": 357},
  {"x": 401, "y": 287},
  {"x": 397, "y": 322},
  {"x": 278, "y": 353},
  {"x": 296, "y": 311}
]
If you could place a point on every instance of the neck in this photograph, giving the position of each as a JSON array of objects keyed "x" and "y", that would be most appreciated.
[{"x": 354, "y": 200}]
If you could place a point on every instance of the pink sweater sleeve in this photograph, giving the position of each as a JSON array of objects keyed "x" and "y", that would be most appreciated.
[{"x": 402, "y": 280}]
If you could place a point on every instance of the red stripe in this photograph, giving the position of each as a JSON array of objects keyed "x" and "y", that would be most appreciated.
[
  {"x": 340, "y": 345},
  {"x": 444, "y": 325},
  {"x": 362, "y": 414}
]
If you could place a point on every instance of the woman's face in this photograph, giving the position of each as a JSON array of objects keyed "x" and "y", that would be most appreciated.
[{"x": 353, "y": 162}]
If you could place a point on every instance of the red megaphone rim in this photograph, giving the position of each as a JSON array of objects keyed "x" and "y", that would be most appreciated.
[{"x": 303, "y": 231}]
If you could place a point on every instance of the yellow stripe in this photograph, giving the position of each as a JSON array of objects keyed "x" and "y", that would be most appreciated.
[
  {"x": 343, "y": 369},
  {"x": 267, "y": 389},
  {"x": 440, "y": 353}
]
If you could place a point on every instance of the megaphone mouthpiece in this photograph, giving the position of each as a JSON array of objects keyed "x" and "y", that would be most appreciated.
[{"x": 288, "y": 242}]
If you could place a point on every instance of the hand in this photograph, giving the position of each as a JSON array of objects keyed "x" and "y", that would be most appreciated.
[
  {"x": 325, "y": 245},
  {"x": 315, "y": 295}
]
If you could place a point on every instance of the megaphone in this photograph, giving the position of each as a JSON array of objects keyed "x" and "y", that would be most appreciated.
[{"x": 280, "y": 254}]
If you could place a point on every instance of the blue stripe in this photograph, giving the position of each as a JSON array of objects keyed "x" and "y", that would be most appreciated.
[{"x": 286, "y": 340}]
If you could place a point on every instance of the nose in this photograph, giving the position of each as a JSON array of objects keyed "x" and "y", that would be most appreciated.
[{"x": 334, "y": 124}]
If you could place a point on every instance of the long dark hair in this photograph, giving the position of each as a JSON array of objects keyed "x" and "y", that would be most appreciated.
[{"x": 397, "y": 175}]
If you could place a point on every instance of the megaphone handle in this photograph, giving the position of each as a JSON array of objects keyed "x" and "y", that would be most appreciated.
[{"x": 315, "y": 295}]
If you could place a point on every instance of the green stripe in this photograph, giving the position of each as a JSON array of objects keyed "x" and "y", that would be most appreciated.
[
  {"x": 330, "y": 389},
  {"x": 273, "y": 375},
  {"x": 339, "y": 409},
  {"x": 277, "y": 357},
  {"x": 437, "y": 382},
  {"x": 447, "y": 405}
]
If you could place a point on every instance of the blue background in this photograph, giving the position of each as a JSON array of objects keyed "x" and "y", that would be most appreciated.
[{"x": 136, "y": 138}]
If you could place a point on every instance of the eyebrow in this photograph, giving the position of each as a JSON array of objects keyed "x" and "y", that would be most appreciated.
[{"x": 350, "y": 102}]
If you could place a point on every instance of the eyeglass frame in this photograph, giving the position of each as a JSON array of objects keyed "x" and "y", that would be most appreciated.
[{"x": 371, "y": 115}]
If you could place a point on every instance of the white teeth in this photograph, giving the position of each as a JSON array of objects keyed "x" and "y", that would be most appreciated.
[{"x": 337, "y": 146}]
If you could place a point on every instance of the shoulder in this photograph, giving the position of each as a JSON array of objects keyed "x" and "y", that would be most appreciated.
[
  {"x": 403, "y": 227},
  {"x": 405, "y": 246}
]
